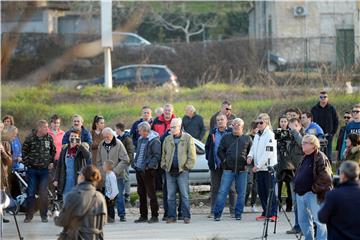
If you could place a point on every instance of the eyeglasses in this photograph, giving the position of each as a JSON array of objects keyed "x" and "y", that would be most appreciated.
[
  {"x": 228, "y": 109},
  {"x": 303, "y": 143},
  {"x": 173, "y": 127},
  {"x": 236, "y": 124},
  {"x": 261, "y": 123},
  {"x": 323, "y": 97},
  {"x": 355, "y": 111},
  {"x": 347, "y": 117}
]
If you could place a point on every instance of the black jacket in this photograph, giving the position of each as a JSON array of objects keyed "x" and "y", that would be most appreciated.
[
  {"x": 209, "y": 148},
  {"x": 326, "y": 117},
  {"x": 82, "y": 158},
  {"x": 288, "y": 162},
  {"x": 152, "y": 154},
  {"x": 194, "y": 126},
  {"x": 233, "y": 151},
  {"x": 340, "y": 212}
]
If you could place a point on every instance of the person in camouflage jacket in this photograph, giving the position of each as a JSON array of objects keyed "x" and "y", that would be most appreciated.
[{"x": 38, "y": 155}]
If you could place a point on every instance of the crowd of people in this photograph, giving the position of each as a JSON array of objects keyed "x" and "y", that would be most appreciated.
[{"x": 161, "y": 150}]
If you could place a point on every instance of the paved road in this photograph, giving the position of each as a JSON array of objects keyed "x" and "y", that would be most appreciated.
[{"x": 201, "y": 228}]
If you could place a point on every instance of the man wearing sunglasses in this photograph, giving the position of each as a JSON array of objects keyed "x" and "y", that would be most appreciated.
[
  {"x": 326, "y": 116},
  {"x": 340, "y": 140},
  {"x": 232, "y": 153},
  {"x": 352, "y": 127},
  {"x": 225, "y": 109}
]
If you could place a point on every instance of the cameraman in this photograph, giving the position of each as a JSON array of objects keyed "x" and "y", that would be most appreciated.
[
  {"x": 287, "y": 170},
  {"x": 282, "y": 135}
]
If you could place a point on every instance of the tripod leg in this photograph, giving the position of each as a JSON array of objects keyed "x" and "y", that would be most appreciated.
[{"x": 17, "y": 228}]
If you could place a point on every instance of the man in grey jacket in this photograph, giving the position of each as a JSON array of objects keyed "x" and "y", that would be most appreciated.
[{"x": 148, "y": 154}]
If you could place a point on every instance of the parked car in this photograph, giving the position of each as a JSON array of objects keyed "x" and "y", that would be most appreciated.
[
  {"x": 200, "y": 174},
  {"x": 276, "y": 63},
  {"x": 140, "y": 74},
  {"x": 136, "y": 42}
]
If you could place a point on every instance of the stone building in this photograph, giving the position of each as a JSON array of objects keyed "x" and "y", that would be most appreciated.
[{"x": 313, "y": 32}]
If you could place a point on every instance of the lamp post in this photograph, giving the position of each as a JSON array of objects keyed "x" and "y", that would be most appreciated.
[{"x": 106, "y": 39}]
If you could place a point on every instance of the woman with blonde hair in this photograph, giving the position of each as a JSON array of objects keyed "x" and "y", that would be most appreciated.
[{"x": 263, "y": 154}]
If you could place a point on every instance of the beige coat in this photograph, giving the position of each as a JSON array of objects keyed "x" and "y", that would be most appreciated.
[
  {"x": 186, "y": 152},
  {"x": 117, "y": 154}
]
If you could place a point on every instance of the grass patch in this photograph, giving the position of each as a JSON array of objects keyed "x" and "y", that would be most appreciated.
[{"x": 121, "y": 104}]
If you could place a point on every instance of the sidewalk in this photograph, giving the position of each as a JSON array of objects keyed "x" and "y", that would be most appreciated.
[{"x": 200, "y": 228}]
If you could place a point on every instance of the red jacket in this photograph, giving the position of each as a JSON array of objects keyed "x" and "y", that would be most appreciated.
[{"x": 160, "y": 125}]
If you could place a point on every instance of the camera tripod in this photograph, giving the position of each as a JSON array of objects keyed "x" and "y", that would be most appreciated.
[
  {"x": 10, "y": 206},
  {"x": 270, "y": 197}
]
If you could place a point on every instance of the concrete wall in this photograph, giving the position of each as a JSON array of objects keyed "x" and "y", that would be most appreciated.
[{"x": 310, "y": 38}]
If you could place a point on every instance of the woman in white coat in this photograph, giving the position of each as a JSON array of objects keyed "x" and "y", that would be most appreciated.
[{"x": 264, "y": 154}]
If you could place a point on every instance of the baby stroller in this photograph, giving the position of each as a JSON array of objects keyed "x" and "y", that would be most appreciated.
[{"x": 54, "y": 203}]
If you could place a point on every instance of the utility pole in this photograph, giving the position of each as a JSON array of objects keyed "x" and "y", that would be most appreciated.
[{"x": 106, "y": 40}]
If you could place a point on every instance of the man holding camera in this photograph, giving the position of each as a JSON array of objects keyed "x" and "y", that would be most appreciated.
[{"x": 290, "y": 155}]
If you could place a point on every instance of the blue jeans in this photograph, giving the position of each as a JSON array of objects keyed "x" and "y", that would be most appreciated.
[
  {"x": 329, "y": 146},
  {"x": 264, "y": 182},
  {"x": 293, "y": 196},
  {"x": 37, "y": 180},
  {"x": 165, "y": 201},
  {"x": 308, "y": 209},
  {"x": 180, "y": 181},
  {"x": 120, "y": 201},
  {"x": 240, "y": 183}
]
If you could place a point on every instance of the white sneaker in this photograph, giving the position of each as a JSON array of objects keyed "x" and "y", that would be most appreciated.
[{"x": 253, "y": 209}]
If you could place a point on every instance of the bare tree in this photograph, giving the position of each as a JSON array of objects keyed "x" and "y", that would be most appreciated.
[{"x": 190, "y": 25}]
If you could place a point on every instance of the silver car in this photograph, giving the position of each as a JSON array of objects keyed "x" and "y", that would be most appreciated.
[{"x": 200, "y": 174}]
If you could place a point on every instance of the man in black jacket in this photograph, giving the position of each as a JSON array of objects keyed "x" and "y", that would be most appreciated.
[
  {"x": 325, "y": 115},
  {"x": 193, "y": 123},
  {"x": 232, "y": 151},
  {"x": 214, "y": 162},
  {"x": 340, "y": 211}
]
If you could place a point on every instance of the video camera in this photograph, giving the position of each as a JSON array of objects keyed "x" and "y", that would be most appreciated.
[{"x": 282, "y": 134}]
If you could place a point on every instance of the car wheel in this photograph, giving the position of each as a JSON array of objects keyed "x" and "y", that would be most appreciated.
[{"x": 272, "y": 67}]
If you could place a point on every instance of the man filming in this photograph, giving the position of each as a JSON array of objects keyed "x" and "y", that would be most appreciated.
[{"x": 290, "y": 156}]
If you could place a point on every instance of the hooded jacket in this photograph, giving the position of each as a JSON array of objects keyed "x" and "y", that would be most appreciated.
[
  {"x": 264, "y": 150},
  {"x": 152, "y": 152}
]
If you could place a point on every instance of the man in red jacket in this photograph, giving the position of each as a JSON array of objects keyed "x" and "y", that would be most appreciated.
[{"x": 161, "y": 124}]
